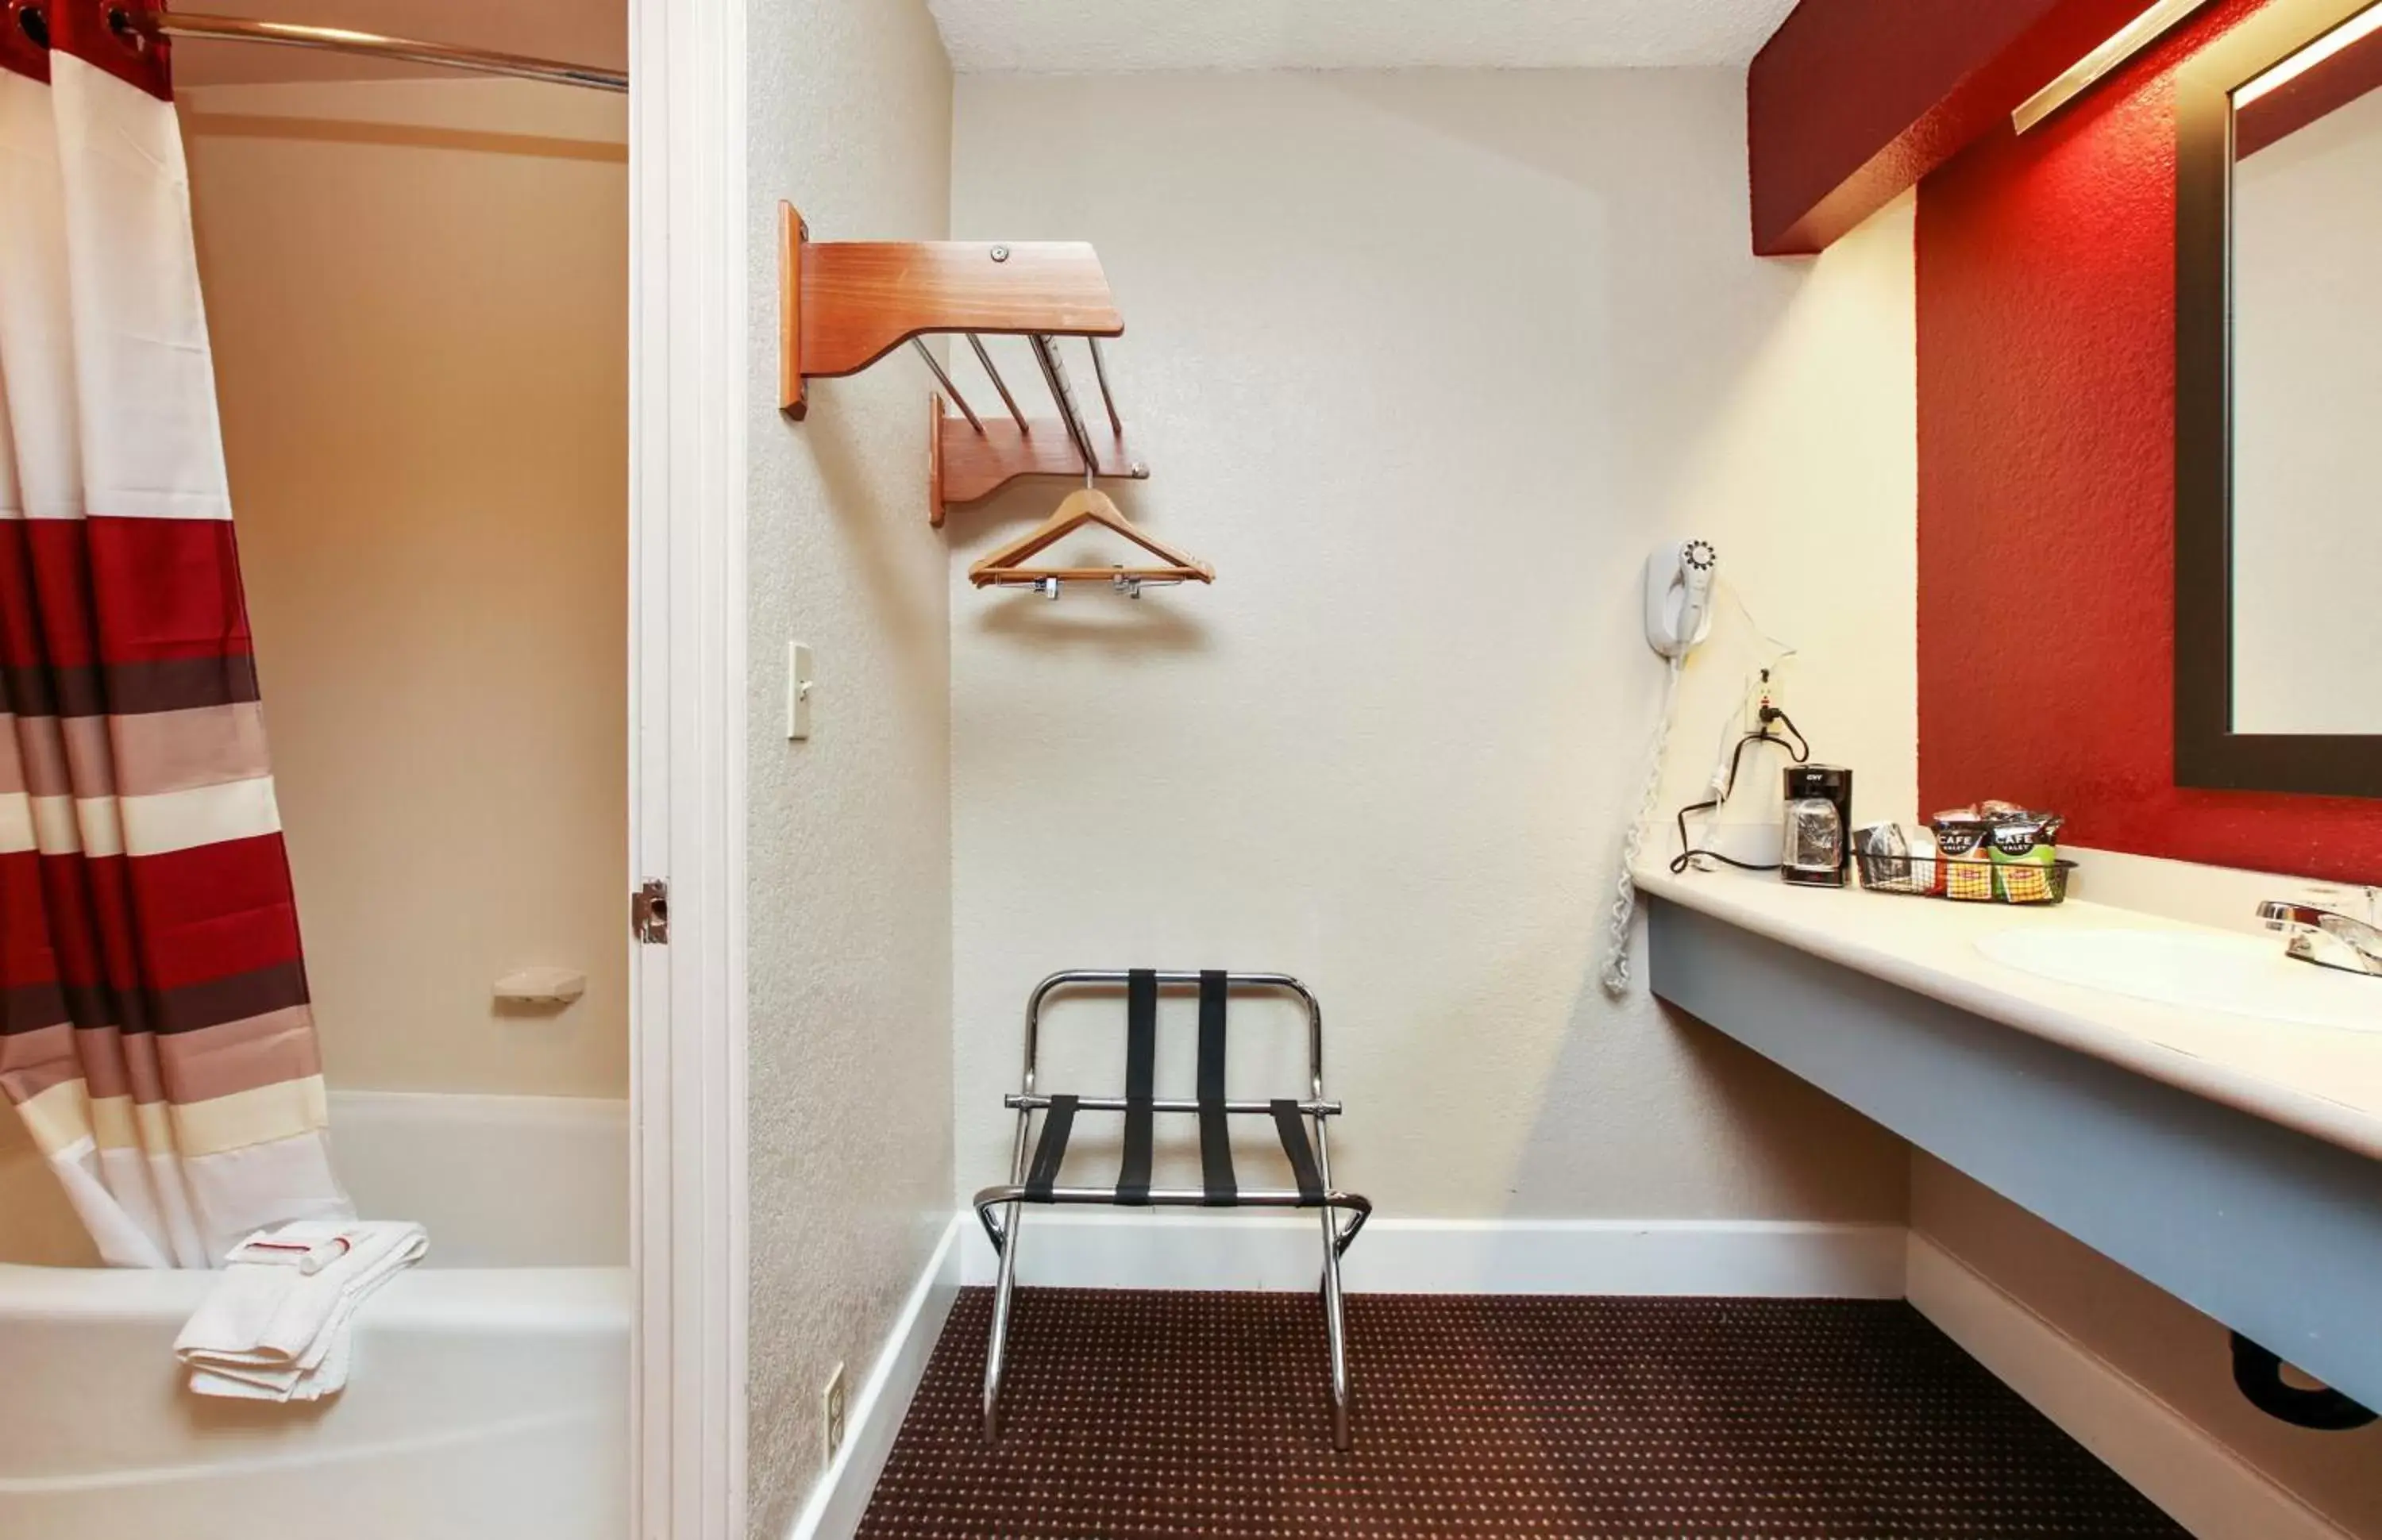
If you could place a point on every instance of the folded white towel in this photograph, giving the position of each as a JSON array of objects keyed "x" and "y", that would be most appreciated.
[{"x": 276, "y": 1327}]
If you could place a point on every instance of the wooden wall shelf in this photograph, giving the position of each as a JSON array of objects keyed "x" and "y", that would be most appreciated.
[
  {"x": 967, "y": 465},
  {"x": 843, "y": 305}
]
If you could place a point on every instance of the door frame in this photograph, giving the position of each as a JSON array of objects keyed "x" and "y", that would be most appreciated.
[{"x": 689, "y": 323}]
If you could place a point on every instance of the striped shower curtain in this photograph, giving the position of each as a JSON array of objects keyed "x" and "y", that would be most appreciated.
[{"x": 154, "y": 1031}]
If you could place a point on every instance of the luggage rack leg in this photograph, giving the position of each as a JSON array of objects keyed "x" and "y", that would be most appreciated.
[
  {"x": 1001, "y": 1208},
  {"x": 1004, "y": 1241},
  {"x": 1335, "y": 1312},
  {"x": 1336, "y": 1327},
  {"x": 997, "y": 1345}
]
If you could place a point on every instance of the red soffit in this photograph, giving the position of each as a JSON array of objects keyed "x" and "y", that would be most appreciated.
[{"x": 1852, "y": 101}]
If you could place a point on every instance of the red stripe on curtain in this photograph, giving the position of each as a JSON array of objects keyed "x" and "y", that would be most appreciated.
[
  {"x": 168, "y": 588},
  {"x": 90, "y": 934},
  {"x": 21, "y": 626},
  {"x": 82, "y": 959},
  {"x": 111, "y": 909},
  {"x": 26, "y": 954},
  {"x": 60, "y": 560},
  {"x": 214, "y": 911}
]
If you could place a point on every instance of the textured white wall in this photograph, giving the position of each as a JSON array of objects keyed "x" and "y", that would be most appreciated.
[
  {"x": 1425, "y": 363},
  {"x": 849, "y": 842}
]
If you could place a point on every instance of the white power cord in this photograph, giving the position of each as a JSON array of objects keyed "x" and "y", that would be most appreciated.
[{"x": 1624, "y": 887}]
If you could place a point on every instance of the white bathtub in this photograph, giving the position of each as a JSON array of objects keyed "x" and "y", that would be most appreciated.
[{"x": 490, "y": 1395}]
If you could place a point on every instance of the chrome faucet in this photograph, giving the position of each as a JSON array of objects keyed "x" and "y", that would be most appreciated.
[{"x": 2327, "y": 937}]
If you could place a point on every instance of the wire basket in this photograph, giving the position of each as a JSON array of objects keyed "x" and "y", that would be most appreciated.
[{"x": 1969, "y": 879}]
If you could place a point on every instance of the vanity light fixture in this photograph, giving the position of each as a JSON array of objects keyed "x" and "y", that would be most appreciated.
[
  {"x": 2356, "y": 29},
  {"x": 2077, "y": 78}
]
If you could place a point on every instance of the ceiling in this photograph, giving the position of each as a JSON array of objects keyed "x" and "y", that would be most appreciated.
[
  {"x": 1105, "y": 35},
  {"x": 1075, "y": 35}
]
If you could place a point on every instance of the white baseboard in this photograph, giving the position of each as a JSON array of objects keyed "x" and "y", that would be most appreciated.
[
  {"x": 875, "y": 1416},
  {"x": 1107, "y": 1248},
  {"x": 2200, "y": 1482}
]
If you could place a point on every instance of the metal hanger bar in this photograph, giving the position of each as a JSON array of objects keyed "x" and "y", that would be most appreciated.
[
  {"x": 945, "y": 381},
  {"x": 1054, "y": 373},
  {"x": 1155, "y": 576},
  {"x": 999, "y": 383},
  {"x": 1100, "y": 369},
  {"x": 1124, "y": 580},
  {"x": 289, "y": 34}
]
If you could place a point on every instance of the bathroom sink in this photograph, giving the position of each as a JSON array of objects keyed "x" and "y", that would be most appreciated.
[{"x": 2241, "y": 975}]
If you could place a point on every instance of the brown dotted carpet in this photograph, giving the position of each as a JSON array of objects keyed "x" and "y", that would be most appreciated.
[{"x": 1141, "y": 1414}]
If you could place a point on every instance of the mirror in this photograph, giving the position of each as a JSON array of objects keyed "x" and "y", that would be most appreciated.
[
  {"x": 2307, "y": 395},
  {"x": 2280, "y": 405}
]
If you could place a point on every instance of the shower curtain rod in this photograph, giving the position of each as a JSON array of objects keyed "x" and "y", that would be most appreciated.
[{"x": 289, "y": 34}]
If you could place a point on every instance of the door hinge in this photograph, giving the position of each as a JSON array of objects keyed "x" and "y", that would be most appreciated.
[{"x": 649, "y": 912}]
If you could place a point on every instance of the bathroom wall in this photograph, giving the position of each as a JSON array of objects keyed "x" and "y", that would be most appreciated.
[
  {"x": 2159, "y": 1343},
  {"x": 848, "y": 852},
  {"x": 1425, "y": 363},
  {"x": 2047, "y": 395},
  {"x": 418, "y": 295}
]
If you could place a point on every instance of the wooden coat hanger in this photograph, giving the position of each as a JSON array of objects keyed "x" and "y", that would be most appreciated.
[{"x": 1085, "y": 505}]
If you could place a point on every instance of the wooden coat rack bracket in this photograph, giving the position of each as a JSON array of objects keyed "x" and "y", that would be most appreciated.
[{"x": 845, "y": 304}]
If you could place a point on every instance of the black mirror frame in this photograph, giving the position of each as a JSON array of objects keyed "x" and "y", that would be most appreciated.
[{"x": 2208, "y": 753}]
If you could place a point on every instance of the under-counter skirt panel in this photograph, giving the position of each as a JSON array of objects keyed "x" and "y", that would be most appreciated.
[{"x": 2275, "y": 1234}]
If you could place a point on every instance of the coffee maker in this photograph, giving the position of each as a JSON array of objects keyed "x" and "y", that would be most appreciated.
[{"x": 1818, "y": 850}]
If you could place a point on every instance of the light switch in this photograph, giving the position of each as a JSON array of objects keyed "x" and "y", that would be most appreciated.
[{"x": 798, "y": 691}]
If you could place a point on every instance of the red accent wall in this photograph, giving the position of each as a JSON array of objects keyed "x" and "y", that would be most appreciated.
[{"x": 2046, "y": 490}]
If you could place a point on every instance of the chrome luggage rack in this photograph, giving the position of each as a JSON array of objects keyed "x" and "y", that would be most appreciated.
[{"x": 1035, "y": 1163}]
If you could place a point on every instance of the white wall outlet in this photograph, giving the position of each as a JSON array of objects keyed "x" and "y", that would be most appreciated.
[
  {"x": 831, "y": 1411},
  {"x": 1768, "y": 684},
  {"x": 798, "y": 691}
]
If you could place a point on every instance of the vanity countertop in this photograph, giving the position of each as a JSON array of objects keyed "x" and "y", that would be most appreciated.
[{"x": 2324, "y": 1081}]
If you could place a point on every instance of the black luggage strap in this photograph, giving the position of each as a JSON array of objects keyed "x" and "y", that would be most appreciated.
[
  {"x": 1302, "y": 1156},
  {"x": 1215, "y": 1137},
  {"x": 1051, "y": 1150},
  {"x": 1140, "y": 1084}
]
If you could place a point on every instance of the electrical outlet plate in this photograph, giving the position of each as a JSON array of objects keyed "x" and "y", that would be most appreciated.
[
  {"x": 831, "y": 1411},
  {"x": 1770, "y": 681}
]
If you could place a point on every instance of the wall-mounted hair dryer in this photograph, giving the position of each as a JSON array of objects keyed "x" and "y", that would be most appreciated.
[
  {"x": 1678, "y": 596},
  {"x": 1678, "y": 616}
]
